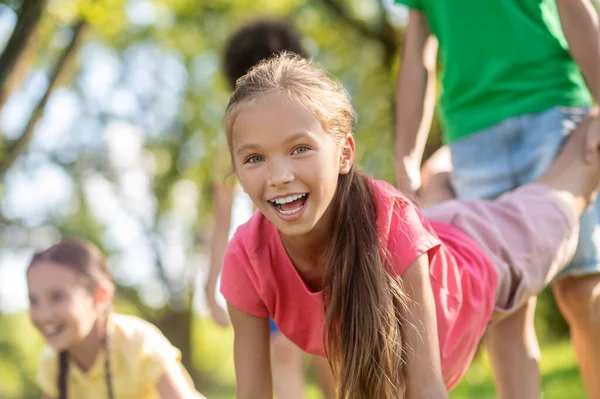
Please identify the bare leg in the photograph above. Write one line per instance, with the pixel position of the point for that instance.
(569, 174)
(511, 341)
(287, 367)
(512, 345)
(435, 178)
(578, 297)
(579, 301)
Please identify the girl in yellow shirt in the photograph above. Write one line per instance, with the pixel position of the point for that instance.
(92, 352)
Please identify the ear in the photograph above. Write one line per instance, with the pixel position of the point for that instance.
(104, 296)
(347, 155)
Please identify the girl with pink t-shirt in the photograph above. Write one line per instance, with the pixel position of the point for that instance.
(349, 268)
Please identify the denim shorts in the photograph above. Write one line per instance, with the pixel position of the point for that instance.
(516, 151)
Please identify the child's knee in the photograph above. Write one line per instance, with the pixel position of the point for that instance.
(438, 163)
(579, 298)
(435, 178)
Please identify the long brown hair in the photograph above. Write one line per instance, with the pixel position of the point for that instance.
(362, 302)
(86, 259)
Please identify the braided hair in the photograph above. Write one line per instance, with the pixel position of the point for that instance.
(63, 372)
(107, 373)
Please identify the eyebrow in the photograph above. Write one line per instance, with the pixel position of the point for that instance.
(294, 137)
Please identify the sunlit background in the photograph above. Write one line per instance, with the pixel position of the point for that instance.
(110, 127)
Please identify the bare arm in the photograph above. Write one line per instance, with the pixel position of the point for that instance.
(172, 384)
(223, 199)
(415, 99)
(423, 365)
(579, 22)
(251, 354)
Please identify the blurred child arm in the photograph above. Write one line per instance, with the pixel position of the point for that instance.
(159, 362)
(415, 99)
(579, 21)
(222, 199)
(251, 354)
(172, 384)
(423, 370)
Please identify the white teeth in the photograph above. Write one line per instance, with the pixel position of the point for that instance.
(290, 212)
(288, 199)
(51, 330)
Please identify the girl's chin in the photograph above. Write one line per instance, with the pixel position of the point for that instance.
(58, 345)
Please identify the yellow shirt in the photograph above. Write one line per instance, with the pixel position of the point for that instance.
(139, 352)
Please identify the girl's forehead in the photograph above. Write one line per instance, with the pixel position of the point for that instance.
(275, 113)
(50, 274)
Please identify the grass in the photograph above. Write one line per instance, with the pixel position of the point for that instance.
(213, 357)
(560, 375)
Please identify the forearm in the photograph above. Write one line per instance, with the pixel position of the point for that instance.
(415, 103)
(223, 199)
(252, 370)
(174, 384)
(217, 251)
(579, 22)
(423, 361)
(251, 351)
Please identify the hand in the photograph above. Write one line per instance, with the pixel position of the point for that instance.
(592, 141)
(408, 176)
(218, 314)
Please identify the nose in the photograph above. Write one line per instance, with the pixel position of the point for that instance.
(280, 173)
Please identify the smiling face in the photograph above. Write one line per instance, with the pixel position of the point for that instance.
(287, 163)
(63, 306)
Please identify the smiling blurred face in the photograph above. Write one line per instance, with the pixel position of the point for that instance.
(62, 307)
(286, 162)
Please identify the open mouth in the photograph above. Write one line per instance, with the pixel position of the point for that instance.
(289, 205)
(53, 331)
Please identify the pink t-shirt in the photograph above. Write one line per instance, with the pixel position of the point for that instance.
(259, 278)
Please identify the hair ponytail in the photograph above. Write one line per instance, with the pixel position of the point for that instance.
(63, 364)
(363, 338)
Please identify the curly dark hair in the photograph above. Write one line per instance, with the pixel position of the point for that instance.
(255, 41)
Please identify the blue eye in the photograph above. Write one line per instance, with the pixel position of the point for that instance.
(254, 159)
(300, 150)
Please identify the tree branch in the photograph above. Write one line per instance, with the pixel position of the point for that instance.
(17, 147)
(27, 20)
(383, 32)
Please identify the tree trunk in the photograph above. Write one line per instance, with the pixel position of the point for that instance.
(177, 327)
(15, 148)
(27, 20)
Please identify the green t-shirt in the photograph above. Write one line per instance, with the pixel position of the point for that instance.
(502, 58)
